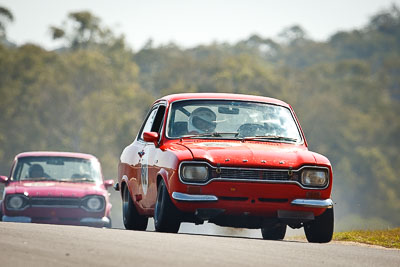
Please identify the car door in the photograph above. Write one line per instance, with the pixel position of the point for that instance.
(131, 159)
(148, 159)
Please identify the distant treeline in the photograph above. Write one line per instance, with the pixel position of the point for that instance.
(91, 95)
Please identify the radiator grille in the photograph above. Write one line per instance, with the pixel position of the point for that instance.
(55, 202)
(256, 174)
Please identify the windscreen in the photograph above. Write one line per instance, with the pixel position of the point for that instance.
(65, 169)
(235, 119)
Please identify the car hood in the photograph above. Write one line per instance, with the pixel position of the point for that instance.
(251, 153)
(53, 189)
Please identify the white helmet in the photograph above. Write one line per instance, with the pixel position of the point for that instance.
(202, 120)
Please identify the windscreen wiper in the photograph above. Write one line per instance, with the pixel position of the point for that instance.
(39, 179)
(270, 137)
(83, 179)
(213, 134)
(66, 180)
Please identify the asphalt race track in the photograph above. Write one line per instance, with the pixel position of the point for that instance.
(54, 245)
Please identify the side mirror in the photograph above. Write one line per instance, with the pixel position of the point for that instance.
(108, 183)
(3, 179)
(151, 137)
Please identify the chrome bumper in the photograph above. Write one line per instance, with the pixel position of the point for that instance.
(95, 221)
(193, 198)
(309, 203)
(313, 203)
(84, 221)
(22, 219)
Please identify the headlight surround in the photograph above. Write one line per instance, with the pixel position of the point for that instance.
(16, 202)
(314, 177)
(93, 203)
(191, 172)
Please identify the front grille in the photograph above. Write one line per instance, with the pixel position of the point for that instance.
(55, 202)
(254, 174)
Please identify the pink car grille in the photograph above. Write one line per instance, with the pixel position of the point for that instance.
(55, 202)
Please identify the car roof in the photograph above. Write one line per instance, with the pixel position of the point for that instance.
(223, 96)
(55, 154)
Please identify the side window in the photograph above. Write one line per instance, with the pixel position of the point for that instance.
(154, 121)
(15, 176)
(148, 123)
(158, 120)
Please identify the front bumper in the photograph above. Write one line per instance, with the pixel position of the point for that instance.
(309, 203)
(193, 198)
(88, 221)
(313, 203)
(95, 221)
(21, 219)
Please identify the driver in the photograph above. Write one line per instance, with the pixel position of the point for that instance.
(36, 171)
(202, 120)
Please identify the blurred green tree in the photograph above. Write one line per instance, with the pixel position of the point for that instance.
(5, 16)
(92, 95)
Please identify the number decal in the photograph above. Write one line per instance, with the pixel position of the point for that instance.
(144, 171)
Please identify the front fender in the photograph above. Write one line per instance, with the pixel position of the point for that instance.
(123, 183)
(163, 175)
(108, 209)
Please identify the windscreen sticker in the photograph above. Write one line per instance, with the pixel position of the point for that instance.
(220, 144)
(39, 184)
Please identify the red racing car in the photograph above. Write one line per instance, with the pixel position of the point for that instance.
(57, 188)
(232, 160)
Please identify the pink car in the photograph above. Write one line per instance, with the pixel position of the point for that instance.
(58, 188)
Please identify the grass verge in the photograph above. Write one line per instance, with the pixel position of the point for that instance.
(385, 238)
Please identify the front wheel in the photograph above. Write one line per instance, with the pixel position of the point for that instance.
(132, 219)
(320, 230)
(274, 233)
(166, 215)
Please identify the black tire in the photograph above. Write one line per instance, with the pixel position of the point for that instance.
(132, 219)
(320, 230)
(274, 233)
(166, 215)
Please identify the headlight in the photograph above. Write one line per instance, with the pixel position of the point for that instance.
(194, 172)
(314, 177)
(16, 202)
(94, 203)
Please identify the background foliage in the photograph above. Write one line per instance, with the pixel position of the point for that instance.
(92, 93)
